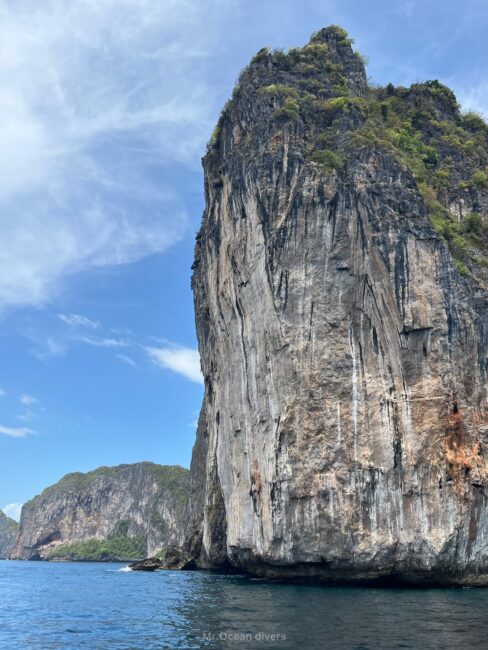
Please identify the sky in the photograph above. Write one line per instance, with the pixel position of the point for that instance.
(105, 110)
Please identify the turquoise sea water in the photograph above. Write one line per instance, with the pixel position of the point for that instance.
(99, 606)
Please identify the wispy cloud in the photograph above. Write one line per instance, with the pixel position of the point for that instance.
(47, 348)
(75, 320)
(95, 99)
(13, 510)
(2, 392)
(13, 432)
(104, 342)
(184, 361)
(121, 331)
(32, 408)
(27, 416)
(474, 97)
(125, 359)
(28, 400)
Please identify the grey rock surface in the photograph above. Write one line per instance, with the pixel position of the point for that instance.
(343, 431)
(149, 564)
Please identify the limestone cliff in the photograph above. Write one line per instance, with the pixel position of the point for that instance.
(123, 512)
(8, 535)
(340, 285)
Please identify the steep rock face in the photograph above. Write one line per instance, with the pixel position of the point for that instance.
(128, 511)
(8, 535)
(341, 310)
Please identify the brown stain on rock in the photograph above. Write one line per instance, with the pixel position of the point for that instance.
(463, 455)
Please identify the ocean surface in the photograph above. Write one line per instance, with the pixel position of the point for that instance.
(102, 606)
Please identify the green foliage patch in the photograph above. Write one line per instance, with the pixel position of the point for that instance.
(464, 238)
(290, 111)
(329, 160)
(117, 545)
(279, 89)
(479, 180)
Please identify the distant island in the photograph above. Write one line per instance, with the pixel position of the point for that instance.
(127, 512)
(9, 529)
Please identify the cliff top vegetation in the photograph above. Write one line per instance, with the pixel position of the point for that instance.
(320, 92)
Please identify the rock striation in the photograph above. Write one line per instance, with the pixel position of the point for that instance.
(124, 512)
(340, 285)
(8, 535)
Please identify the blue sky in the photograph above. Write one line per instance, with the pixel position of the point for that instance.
(105, 109)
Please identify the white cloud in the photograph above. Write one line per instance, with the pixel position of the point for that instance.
(33, 407)
(28, 400)
(47, 348)
(13, 432)
(126, 359)
(474, 98)
(75, 320)
(2, 392)
(185, 361)
(13, 510)
(121, 331)
(27, 416)
(104, 342)
(95, 99)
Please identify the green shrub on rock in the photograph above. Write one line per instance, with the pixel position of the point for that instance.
(329, 160)
(479, 180)
(289, 111)
(473, 224)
